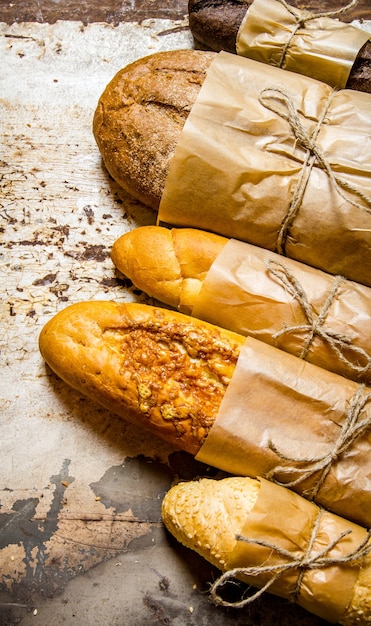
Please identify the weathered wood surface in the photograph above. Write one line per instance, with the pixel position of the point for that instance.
(109, 11)
(80, 492)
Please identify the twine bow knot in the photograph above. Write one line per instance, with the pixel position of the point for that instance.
(275, 99)
(307, 561)
(302, 18)
(339, 342)
(353, 427)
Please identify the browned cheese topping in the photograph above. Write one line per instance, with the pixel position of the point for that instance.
(180, 372)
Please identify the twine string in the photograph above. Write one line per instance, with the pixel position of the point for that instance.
(352, 428)
(301, 20)
(313, 156)
(307, 561)
(338, 342)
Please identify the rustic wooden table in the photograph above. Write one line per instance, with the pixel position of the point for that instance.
(81, 534)
(109, 11)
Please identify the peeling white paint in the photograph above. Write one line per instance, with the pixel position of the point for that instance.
(60, 214)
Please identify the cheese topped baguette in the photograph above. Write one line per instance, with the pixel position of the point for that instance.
(235, 403)
(159, 369)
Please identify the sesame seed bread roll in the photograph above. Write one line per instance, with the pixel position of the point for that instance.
(156, 368)
(210, 517)
(140, 116)
(169, 265)
(207, 515)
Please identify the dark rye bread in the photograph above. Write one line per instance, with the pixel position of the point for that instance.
(141, 114)
(215, 24)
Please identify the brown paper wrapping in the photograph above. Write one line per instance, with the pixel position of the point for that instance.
(283, 519)
(323, 319)
(245, 171)
(280, 415)
(323, 48)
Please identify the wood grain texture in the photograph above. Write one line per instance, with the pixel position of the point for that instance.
(76, 545)
(109, 11)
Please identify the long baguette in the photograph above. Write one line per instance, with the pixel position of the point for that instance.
(156, 368)
(233, 402)
(209, 516)
(215, 26)
(241, 294)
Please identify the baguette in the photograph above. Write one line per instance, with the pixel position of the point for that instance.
(140, 116)
(158, 369)
(169, 374)
(167, 264)
(215, 26)
(171, 265)
(208, 516)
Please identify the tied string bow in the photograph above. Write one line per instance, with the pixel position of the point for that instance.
(314, 327)
(279, 102)
(308, 561)
(302, 18)
(353, 427)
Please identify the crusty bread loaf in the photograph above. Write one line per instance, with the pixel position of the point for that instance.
(168, 264)
(227, 504)
(169, 374)
(241, 294)
(140, 115)
(215, 24)
(208, 515)
(156, 368)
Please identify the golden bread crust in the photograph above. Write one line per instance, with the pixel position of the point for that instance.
(207, 515)
(196, 251)
(140, 115)
(169, 265)
(159, 369)
(207, 518)
(359, 609)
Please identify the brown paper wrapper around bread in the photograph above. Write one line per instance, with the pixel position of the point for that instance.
(278, 160)
(269, 537)
(323, 319)
(297, 424)
(283, 520)
(181, 379)
(276, 33)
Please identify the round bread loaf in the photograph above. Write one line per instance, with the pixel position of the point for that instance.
(141, 114)
(215, 24)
